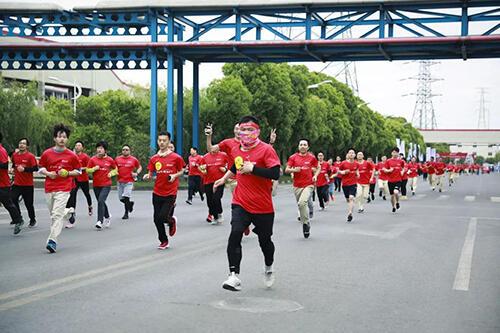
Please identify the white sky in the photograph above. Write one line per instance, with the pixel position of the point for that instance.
(380, 84)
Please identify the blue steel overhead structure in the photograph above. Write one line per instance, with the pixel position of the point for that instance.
(220, 31)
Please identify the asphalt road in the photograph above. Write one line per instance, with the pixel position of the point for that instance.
(434, 266)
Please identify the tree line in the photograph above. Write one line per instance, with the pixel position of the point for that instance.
(330, 116)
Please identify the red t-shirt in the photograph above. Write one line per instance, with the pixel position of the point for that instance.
(440, 167)
(164, 166)
(306, 163)
(194, 162)
(27, 160)
(397, 165)
(365, 172)
(227, 146)
(350, 178)
(337, 165)
(53, 160)
(252, 192)
(381, 174)
(431, 169)
(412, 169)
(4, 173)
(323, 177)
(333, 171)
(214, 161)
(84, 161)
(126, 165)
(106, 164)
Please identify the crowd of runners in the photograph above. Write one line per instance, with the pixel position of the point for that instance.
(248, 166)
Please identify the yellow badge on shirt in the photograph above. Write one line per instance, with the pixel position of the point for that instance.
(158, 166)
(238, 162)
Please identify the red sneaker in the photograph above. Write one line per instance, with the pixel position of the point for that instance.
(210, 218)
(172, 226)
(247, 231)
(163, 246)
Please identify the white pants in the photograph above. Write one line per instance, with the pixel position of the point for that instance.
(384, 186)
(362, 193)
(57, 208)
(413, 183)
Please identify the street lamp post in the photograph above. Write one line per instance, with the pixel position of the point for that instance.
(77, 90)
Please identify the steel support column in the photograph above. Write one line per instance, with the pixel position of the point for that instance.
(153, 108)
(196, 104)
(180, 109)
(170, 78)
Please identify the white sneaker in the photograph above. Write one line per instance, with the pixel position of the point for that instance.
(98, 225)
(68, 212)
(107, 222)
(232, 283)
(69, 225)
(220, 219)
(269, 276)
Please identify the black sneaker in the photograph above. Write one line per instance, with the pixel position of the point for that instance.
(125, 216)
(361, 210)
(384, 197)
(18, 227)
(368, 200)
(189, 202)
(51, 246)
(131, 207)
(380, 193)
(33, 223)
(397, 205)
(305, 229)
(311, 215)
(440, 191)
(373, 196)
(71, 218)
(12, 223)
(393, 209)
(349, 218)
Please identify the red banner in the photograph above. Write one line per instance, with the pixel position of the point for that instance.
(453, 155)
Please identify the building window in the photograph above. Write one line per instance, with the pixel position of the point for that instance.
(490, 154)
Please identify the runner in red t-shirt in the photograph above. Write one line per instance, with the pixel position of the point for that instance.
(214, 166)
(366, 172)
(80, 182)
(168, 167)
(24, 164)
(382, 179)
(404, 178)
(394, 168)
(331, 182)
(305, 169)
(412, 171)
(194, 175)
(5, 197)
(103, 168)
(349, 171)
(225, 146)
(128, 170)
(323, 181)
(59, 165)
(373, 181)
(440, 168)
(338, 177)
(431, 173)
(255, 165)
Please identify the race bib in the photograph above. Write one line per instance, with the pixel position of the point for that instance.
(158, 166)
(238, 162)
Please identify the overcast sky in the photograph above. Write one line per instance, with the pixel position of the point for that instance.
(380, 83)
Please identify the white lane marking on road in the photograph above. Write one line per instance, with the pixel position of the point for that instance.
(462, 278)
(443, 197)
(495, 199)
(470, 198)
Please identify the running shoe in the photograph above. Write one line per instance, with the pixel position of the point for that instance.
(172, 226)
(163, 246)
(72, 218)
(233, 283)
(98, 225)
(220, 219)
(210, 218)
(189, 202)
(373, 196)
(33, 223)
(361, 210)
(51, 246)
(107, 222)
(69, 225)
(91, 210)
(18, 227)
(125, 216)
(349, 218)
(384, 197)
(269, 276)
(393, 209)
(397, 205)
(131, 206)
(306, 228)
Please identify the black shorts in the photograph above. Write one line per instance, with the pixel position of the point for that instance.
(394, 186)
(241, 219)
(350, 190)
